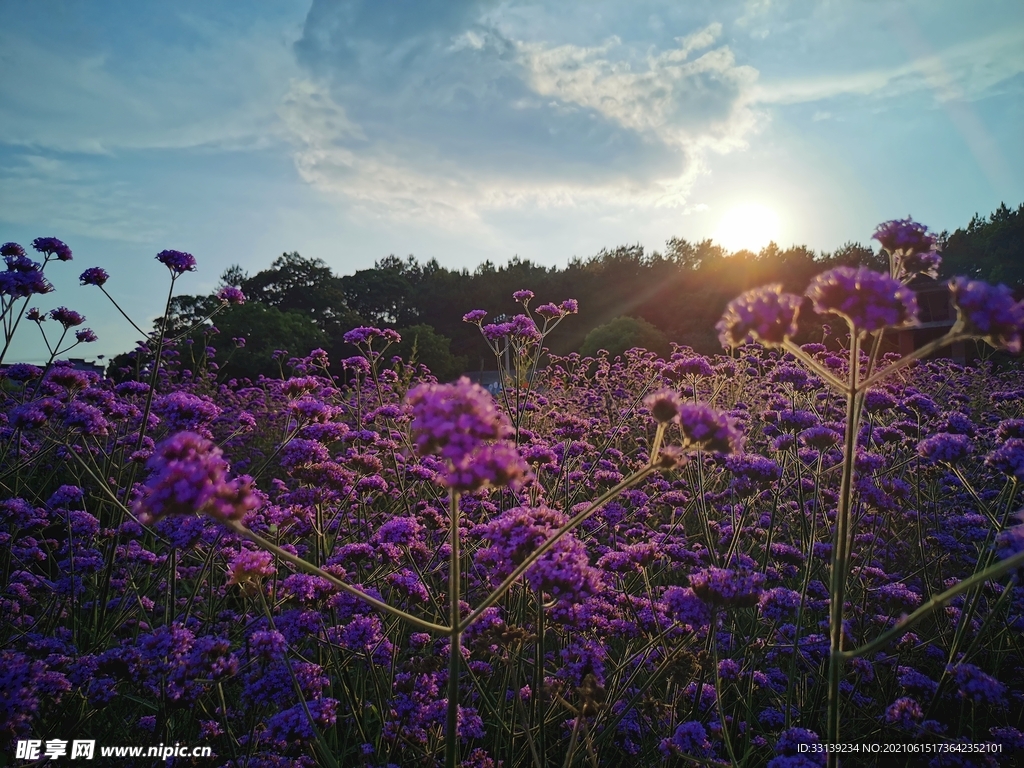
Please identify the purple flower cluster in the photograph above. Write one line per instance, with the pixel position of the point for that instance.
(67, 317)
(51, 246)
(912, 245)
(178, 262)
(564, 571)
(231, 294)
(461, 423)
(727, 587)
(94, 276)
(868, 300)
(712, 430)
(364, 335)
(990, 312)
(766, 314)
(190, 475)
(23, 277)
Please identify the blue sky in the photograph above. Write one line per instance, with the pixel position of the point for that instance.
(473, 130)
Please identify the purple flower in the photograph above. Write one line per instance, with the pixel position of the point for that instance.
(691, 366)
(365, 334)
(765, 314)
(184, 411)
(298, 452)
(564, 571)
(189, 475)
(11, 249)
(23, 372)
(231, 295)
(474, 316)
(35, 315)
(869, 300)
(977, 686)
(945, 447)
(67, 317)
(820, 437)
(496, 331)
(23, 278)
(51, 246)
(523, 296)
(1008, 458)
(178, 262)
(779, 604)
(685, 607)
(496, 465)
(85, 418)
(454, 419)
(905, 712)
(94, 276)
(912, 246)
(725, 587)
(293, 725)
(548, 311)
(689, 739)
(990, 312)
(1011, 541)
(790, 741)
(904, 235)
(713, 430)
(250, 564)
(523, 327)
(86, 336)
(267, 645)
(569, 307)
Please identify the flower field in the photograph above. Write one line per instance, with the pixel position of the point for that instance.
(728, 560)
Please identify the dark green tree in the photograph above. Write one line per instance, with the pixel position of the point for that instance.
(265, 330)
(424, 345)
(988, 249)
(624, 333)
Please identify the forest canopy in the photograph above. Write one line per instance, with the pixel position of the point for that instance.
(675, 295)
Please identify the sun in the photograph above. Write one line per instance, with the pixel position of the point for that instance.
(749, 226)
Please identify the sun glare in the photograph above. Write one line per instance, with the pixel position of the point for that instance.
(750, 226)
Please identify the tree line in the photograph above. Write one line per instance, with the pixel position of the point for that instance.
(627, 296)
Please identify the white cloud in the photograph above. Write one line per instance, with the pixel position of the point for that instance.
(691, 105)
(76, 201)
(409, 180)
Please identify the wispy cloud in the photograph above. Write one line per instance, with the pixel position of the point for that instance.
(219, 91)
(75, 200)
(968, 70)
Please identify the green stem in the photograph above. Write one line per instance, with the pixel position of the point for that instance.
(451, 729)
(348, 589)
(840, 550)
(992, 572)
(955, 334)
